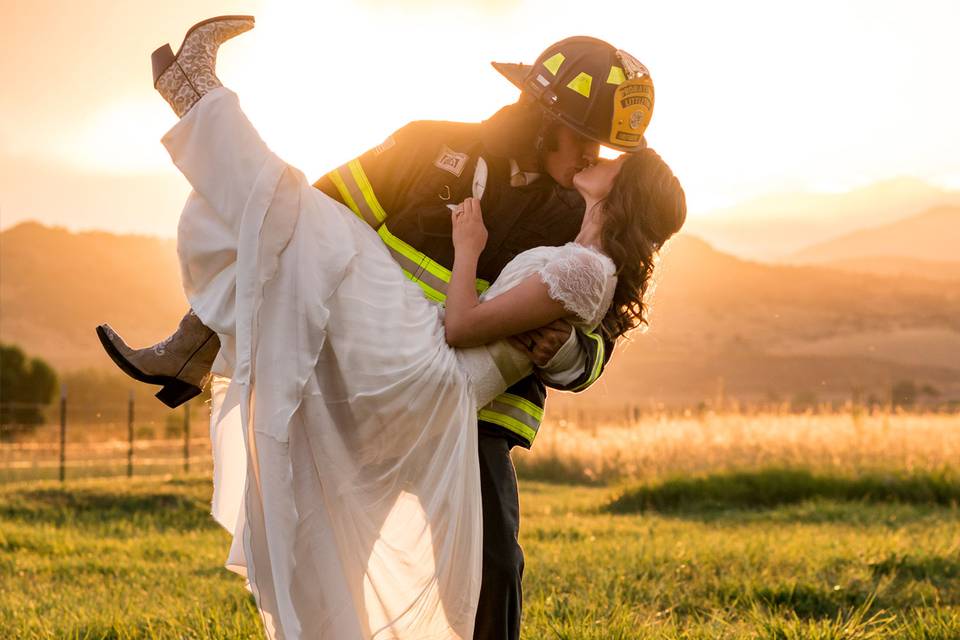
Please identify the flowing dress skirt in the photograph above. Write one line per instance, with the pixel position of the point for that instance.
(343, 428)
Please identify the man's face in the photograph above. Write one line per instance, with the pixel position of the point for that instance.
(573, 153)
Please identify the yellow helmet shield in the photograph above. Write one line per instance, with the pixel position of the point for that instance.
(632, 102)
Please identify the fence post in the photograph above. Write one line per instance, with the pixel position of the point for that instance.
(63, 432)
(130, 435)
(186, 437)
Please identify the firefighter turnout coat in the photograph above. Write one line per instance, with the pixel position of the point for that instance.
(402, 188)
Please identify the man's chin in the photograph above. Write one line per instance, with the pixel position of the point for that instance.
(567, 182)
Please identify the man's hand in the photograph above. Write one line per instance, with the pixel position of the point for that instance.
(540, 345)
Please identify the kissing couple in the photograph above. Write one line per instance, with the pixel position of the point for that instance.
(379, 340)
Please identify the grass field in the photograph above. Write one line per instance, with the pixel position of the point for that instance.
(862, 543)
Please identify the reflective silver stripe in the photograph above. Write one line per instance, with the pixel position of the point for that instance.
(508, 423)
(419, 267)
(433, 286)
(514, 413)
(509, 366)
(348, 181)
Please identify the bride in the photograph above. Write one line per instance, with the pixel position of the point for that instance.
(344, 403)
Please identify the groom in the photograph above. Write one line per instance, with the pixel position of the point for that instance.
(580, 93)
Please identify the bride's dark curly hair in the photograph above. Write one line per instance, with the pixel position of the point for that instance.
(646, 205)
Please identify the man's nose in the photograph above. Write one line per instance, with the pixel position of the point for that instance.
(590, 150)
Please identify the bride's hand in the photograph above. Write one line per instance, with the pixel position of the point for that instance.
(469, 233)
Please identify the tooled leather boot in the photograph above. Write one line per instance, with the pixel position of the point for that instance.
(184, 78)
(181, 363)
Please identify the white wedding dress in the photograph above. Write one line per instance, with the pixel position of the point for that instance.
(343, 425)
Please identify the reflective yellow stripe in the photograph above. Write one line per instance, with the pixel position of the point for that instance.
(523, 404)
(514, 413)
(428, 291)
(346, 181)
(597, 363)
(553, 63)
(432, 276)
(414, 263)
(616, 76)
(581, 84)
(357, 171)
(508, 422)
(344, 192)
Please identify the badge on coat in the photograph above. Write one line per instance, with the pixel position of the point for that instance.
(451, 161)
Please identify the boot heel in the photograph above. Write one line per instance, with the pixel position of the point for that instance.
(176, 392)
(162, 58)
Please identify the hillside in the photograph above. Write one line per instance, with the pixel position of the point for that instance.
(898, 266)
(758, 330)
(932, 235)
(781, 224)
(769, 332)
(56, 286)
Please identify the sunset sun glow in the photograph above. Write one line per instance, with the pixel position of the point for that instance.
(752, 97)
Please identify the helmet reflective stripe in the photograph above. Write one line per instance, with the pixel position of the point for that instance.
(616, 76)
(553, 64)
(581, 84)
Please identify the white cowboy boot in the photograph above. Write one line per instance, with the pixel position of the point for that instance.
(184, 78)
(181, 363)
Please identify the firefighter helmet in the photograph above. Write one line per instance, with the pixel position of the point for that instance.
(599, 91)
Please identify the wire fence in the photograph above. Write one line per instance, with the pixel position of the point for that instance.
(70, 441)
(89, 436)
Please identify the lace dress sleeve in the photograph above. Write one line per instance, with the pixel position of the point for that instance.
(582, 280)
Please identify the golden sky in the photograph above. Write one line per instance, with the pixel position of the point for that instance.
(752, 96)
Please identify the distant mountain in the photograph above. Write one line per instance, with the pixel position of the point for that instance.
(782, 224)
(895, 266)
(932, 235)
(756, 330)
(761, 331)
(56, 286)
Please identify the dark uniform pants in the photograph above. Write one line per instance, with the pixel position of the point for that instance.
(498, 614)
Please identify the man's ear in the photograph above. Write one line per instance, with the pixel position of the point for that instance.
(511, 131)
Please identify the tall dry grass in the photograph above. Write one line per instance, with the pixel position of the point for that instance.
(658, 447)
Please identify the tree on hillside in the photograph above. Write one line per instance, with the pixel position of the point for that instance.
(26, 387)
(903, 394)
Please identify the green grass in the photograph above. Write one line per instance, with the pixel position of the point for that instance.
(771, 554)
(768, 488)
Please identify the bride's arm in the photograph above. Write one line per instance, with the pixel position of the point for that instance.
(467, 322)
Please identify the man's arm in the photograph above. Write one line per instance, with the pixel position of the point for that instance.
(596, 351)
(566, 359)
(374, 183)
(565, 363)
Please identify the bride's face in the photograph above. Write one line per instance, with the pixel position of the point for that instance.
(595, 182)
